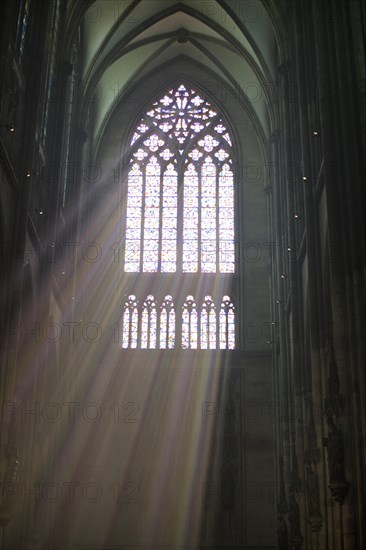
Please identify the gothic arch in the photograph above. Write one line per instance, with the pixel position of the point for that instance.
(251, 177)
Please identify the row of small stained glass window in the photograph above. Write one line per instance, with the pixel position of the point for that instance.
(153, 327)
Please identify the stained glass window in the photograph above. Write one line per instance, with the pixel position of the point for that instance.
(167, 324)
(227, 324)
(181, 134)
(130, 323)
(180, 223)
(154, 325)
(208, 324)
(189, 324)
(149, 322)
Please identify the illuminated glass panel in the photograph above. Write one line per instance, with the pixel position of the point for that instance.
(153, 143)
(126, 329)
(189, 324)
(208, 217)
(208, 324)
(227, 324)
(130, 323)
(167, 324)
(208, 143)
(148, 324)
(133, 230)
(190, 223)
(169, 220)
(231, 329)
(226, 220)
(152, 216)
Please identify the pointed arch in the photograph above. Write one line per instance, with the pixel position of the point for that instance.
(227, 324)
(167, 324)
(208, 324)
(149, 324)
(180, 222)
(181, 129)
(130, 323)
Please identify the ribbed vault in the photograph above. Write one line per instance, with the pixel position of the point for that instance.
(125, 41)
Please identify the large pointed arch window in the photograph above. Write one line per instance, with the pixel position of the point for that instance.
(180, 221)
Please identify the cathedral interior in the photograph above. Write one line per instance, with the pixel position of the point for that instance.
(182, 274)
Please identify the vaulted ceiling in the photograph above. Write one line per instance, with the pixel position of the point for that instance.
(236, 41)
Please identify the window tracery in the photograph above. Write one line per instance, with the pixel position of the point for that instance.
(151, 325)
(180, 221)
(168, 141)
(149, 321)
(167, 324)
